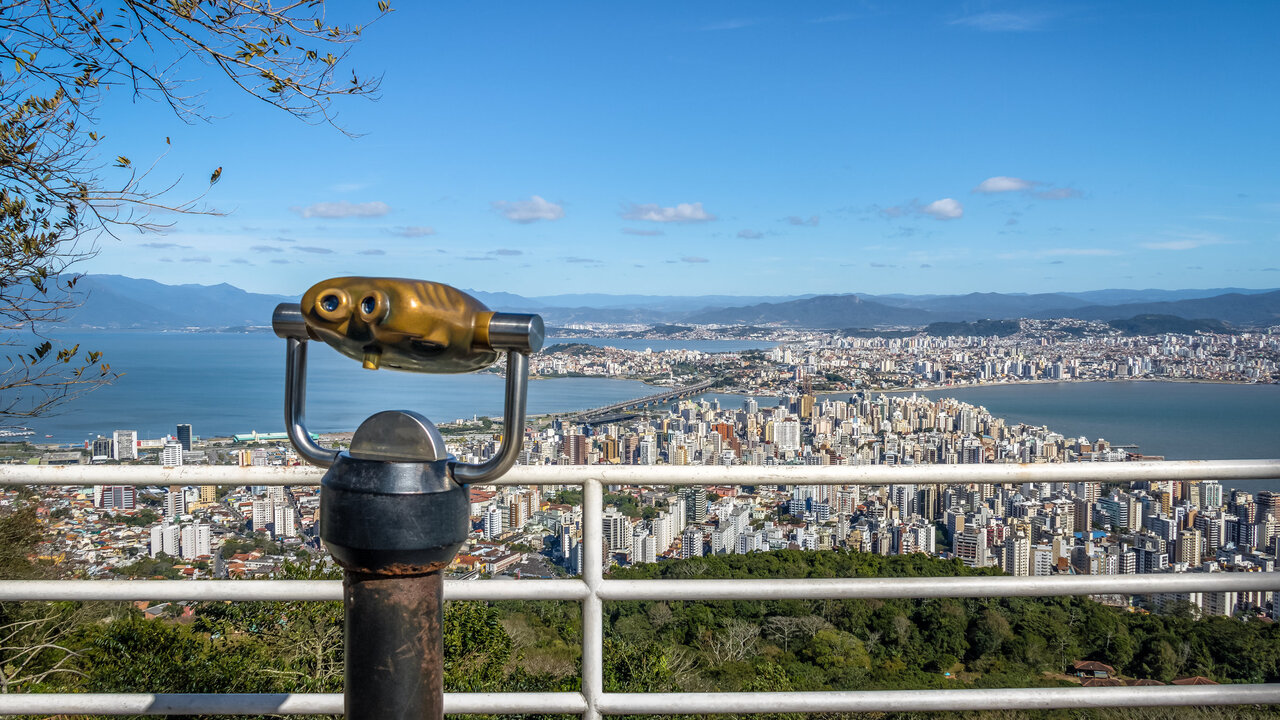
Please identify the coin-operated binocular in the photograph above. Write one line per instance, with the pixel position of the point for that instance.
(394, 508)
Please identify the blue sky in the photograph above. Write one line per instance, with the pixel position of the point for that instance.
(748, 148)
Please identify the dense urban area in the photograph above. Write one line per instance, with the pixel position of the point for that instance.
(1031, 529)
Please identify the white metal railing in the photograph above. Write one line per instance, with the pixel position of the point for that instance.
(592, 589)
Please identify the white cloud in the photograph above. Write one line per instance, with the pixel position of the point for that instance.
(343, 209)
(1087, 252)
(1002, 183)
(1185, 241)
(682, 213)
(1004, 21)
(413, 231)
(531, 210)
(1175, 245)
(944, 209)
(750, 234)
(811, 221)
(1059, 252)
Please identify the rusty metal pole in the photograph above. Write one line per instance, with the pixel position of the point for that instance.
(394, 645)
(393, 518)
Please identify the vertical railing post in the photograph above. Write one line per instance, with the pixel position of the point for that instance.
(592, 611)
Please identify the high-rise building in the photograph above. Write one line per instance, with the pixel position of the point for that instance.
(1017, 555)
(691, 543)
(208, 493)
(120, 497)
(184, 436)
(971, 546)
(171, 454)
(284, 521)
(262, 513)
(1190, 547)
(491, 526)
(695, 503)
(617, 532)
(103, 449)
(196, 539)
(786, 435)
(126, 444)
(175, 503)
(164, 539)
(575, 447)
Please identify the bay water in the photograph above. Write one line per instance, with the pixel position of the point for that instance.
(224, 383)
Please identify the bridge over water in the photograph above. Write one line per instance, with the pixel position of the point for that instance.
(619, 409)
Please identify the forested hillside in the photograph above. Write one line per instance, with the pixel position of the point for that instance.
(649, 646)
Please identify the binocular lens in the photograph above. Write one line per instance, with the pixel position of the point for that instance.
(368, 305)
(331, 302)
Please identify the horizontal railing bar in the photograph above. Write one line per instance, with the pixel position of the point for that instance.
(994, 473)
(934, 587)
(158, 475)
(659, 703)
(936, 700)
(512, 589)
(268, 703)
(692, 590)
(268, 590)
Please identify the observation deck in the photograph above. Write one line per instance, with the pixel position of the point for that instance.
(592, 589)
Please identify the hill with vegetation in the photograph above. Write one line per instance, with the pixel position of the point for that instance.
(758, 645)
(1159, 324)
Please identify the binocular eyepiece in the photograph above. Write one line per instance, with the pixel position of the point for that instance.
(410, 325)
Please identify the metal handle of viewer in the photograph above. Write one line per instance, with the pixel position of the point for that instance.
(517, 334)
(288, 323)
(513, 411)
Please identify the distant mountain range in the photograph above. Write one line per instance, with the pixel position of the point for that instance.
(119, 302)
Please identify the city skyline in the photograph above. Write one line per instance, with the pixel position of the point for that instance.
(835, 148)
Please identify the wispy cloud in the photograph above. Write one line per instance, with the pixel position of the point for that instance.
(1185, 241)
(733, 24)
(1002, 183)
(200, 259)
(682, 213)
(944, 209)
(642, 233)
(811, 221)
(413, 231)
(838, 17)
(693, 259)
(240, 261)
(1035, 188)
(265, 248)
(343, 209)
(580, 260)
(313, 250)
(372, 251)
(1005, 21)
(750, 234)
(165, 246)
(280, 261)
(528, 211)
(1059, 252)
